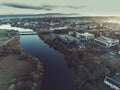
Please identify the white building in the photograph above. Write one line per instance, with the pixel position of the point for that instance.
(84, 36)
(106, 42)
(112, 83)
(58, 28)
(71, 33)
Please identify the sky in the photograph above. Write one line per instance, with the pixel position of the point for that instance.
(83, 7)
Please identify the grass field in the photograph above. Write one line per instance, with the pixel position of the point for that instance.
(2, 33)
(3, 30)
(11, 67)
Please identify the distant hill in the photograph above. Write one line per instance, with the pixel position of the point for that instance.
(38, 15)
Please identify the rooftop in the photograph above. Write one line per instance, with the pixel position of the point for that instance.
(107, 40)
(85, 34)
(114, 82)
(67, 37)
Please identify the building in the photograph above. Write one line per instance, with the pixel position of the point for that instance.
(84, 36)
(68, 40)
(71, 33)
(58, 28)
(106, 42)
(112, 83)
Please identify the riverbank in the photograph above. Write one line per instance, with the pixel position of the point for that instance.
(18, 69)
(84, 65)
(57, 76)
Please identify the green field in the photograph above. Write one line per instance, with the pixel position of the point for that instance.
(3, 30)
(3, 33)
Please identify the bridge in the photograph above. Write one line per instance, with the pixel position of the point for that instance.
(27, 33)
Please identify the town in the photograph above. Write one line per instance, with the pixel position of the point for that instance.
(91, 46)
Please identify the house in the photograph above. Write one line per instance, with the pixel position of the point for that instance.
(71, 33)
(68, 40)
(84, 36)
(114, 84)
(106, 42)
(58, 28)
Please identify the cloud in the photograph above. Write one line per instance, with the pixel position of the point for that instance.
(22, 6)
(76, 7)
(42, 7)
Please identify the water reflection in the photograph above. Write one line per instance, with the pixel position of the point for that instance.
(57, 75)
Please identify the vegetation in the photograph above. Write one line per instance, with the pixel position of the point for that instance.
(88, 69)
(13, 71)
(62, 31)
(3, 35)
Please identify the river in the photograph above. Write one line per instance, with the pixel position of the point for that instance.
(57, 75)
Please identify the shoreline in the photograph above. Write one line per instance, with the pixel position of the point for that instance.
(73, 60)
(77, 61)
(21, 58)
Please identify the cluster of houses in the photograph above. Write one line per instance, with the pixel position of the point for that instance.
(78, 37)
(68, 40)
(106, 42)
(55, 23)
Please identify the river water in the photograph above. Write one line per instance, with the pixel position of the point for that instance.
(57, 75)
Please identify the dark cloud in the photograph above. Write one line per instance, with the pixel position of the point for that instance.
(43, 7)
(22, 6)
(76, 7)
